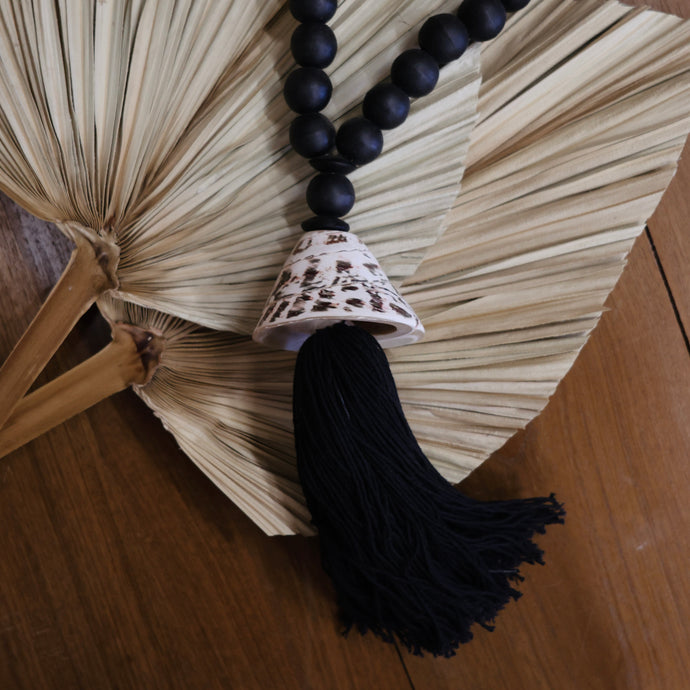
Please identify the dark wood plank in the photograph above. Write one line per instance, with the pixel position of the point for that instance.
(610, 608)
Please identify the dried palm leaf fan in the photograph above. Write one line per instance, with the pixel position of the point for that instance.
(566, 165)
(136, 143)
(449, 382)
(406, 195)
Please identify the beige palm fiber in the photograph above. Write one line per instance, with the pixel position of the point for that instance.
(536, 241)
(154, 134)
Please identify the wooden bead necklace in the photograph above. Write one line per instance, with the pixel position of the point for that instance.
(411, 558)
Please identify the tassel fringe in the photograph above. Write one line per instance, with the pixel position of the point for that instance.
(409, 555)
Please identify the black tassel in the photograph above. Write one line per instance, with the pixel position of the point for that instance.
(410, 556)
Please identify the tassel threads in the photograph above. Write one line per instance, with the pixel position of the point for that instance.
(409, 555)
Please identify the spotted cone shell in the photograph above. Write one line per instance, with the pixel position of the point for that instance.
(331, 277)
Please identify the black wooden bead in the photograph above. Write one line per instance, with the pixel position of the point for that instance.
(332, 164)
(359, 140)
(313, 45)
(313, 10)
(415, 72)
(312, 135)
(330, 194)
(386, 105)
(514, 5)
(484, 19)
(307, 90)
(444, 37)
(325, 223)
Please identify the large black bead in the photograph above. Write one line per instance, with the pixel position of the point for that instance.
(514, 5)
(415, 72)
(313, 45)
(484, 19)
(359, 140)
(444, 37)
(307, 90)
(330, 194)
(386, 105)
(313, 10)
(312, 135)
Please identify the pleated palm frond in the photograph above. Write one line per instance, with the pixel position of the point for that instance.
(228, 402)
(585, 108)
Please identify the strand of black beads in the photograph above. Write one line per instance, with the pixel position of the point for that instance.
(307, 90)
(442, 39)
(314, 46)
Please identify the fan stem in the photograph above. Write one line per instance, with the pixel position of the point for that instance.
(89, 273)
(130, 359)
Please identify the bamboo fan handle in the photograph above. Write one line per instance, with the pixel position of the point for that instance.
(131, 358)
(90, 272)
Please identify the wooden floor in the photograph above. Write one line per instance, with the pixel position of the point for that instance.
(121, 566)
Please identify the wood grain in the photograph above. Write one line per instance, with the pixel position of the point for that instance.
(121, 566)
